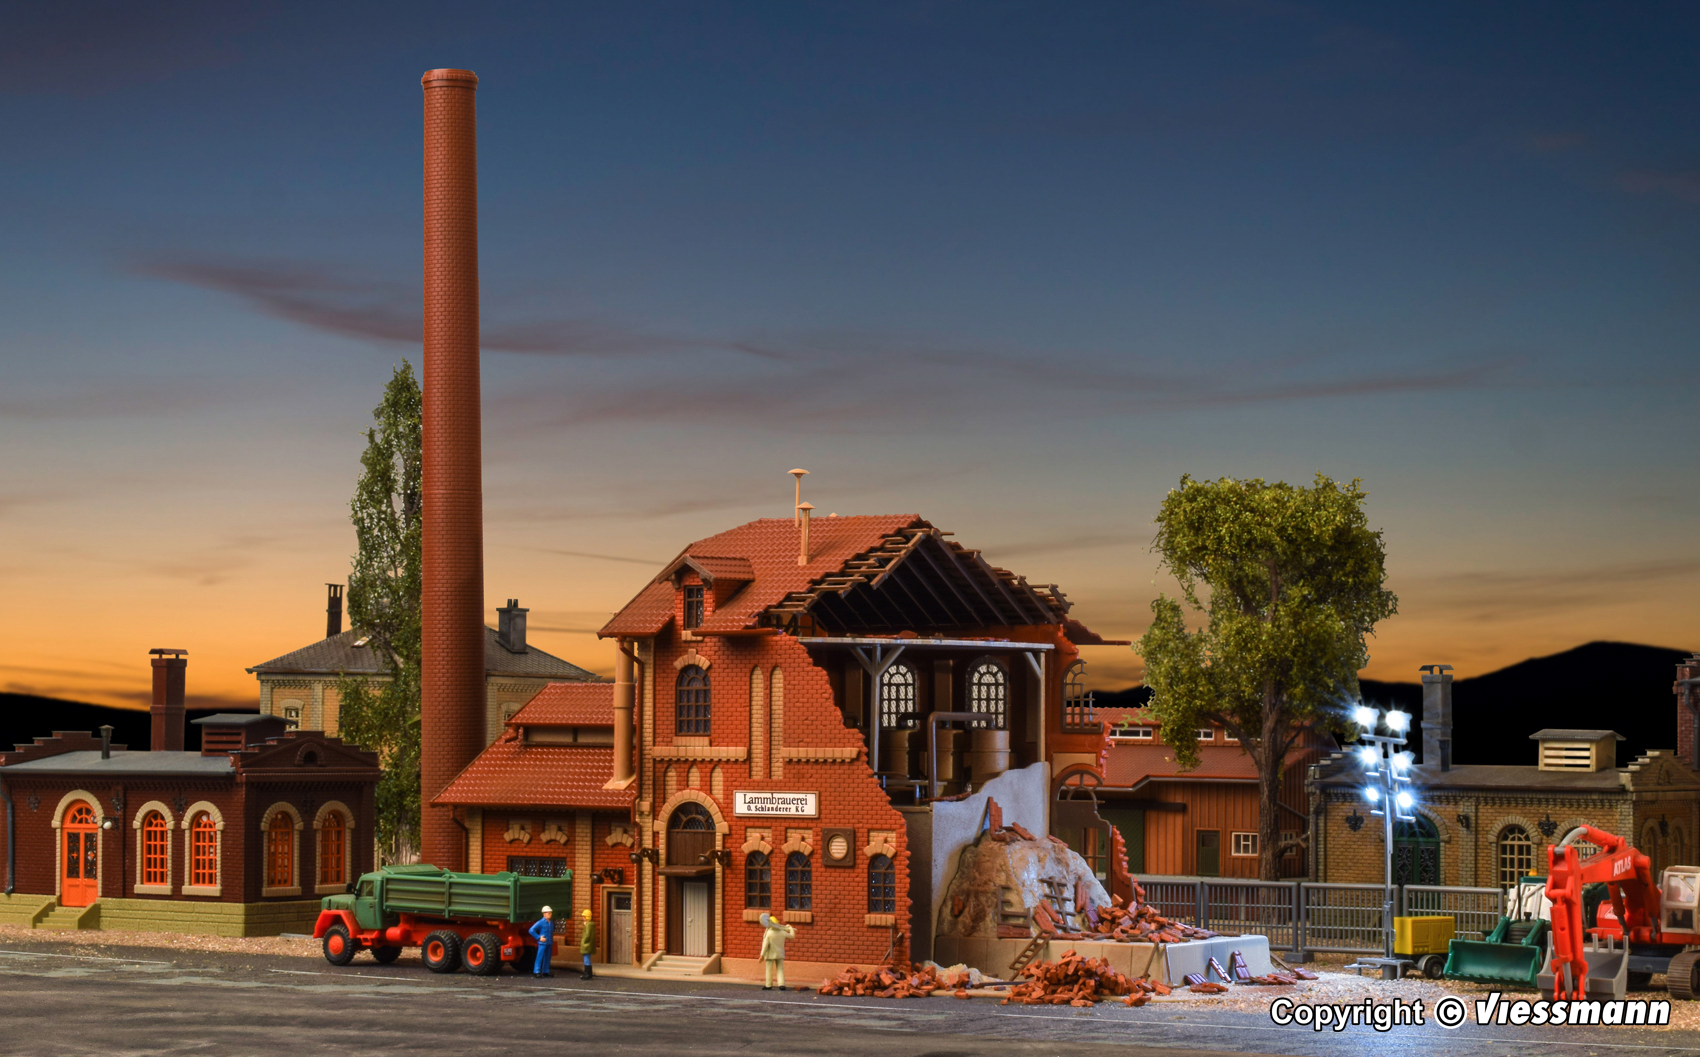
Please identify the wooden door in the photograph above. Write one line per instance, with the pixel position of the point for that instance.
(618, 915)
(80, 880)
(1209, 858)
(696, 922)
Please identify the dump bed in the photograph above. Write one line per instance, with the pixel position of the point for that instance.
(495, 896)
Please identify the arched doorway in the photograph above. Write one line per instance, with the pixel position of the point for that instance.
(79, 882)
(690, 880)
(1416, 853)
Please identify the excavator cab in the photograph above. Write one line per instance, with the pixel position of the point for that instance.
(1679, 898)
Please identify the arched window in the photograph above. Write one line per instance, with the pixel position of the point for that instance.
(690, 835)
(691, 708)
(155, 856)
(203, 851)
(897, 697)
(280, 851)
(692, 817)
(333, 850)
(1516, 855)
(882, 885)
(799, 882)
(758, 881)
(988, 693)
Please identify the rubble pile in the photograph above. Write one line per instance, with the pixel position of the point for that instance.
(900, 982)
(1071, 981)
(1120, 921)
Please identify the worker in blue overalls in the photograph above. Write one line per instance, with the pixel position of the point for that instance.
(544, 933)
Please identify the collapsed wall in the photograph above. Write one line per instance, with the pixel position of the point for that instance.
(1009, 878)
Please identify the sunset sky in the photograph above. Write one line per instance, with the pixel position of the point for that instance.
(1013, 267)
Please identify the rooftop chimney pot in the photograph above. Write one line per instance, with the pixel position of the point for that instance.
(333, 610)
(510, 626)
(803, 535)
(797, 507)
(106, 742)
(1437, 716)
(167, 712)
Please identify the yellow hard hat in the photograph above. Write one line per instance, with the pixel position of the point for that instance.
(586, 911)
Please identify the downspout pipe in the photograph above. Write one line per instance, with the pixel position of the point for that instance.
(11, 839)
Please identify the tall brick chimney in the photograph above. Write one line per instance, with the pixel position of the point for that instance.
(1688, 711)
(1437, 716)
(333, 610)
(452, 606)
(169, 669)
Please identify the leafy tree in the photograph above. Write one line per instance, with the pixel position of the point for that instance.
(383, 603)
(1294, 584)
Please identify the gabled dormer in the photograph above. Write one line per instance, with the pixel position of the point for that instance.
(703, 583)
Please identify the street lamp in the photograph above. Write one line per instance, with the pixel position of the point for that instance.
(1387, 779)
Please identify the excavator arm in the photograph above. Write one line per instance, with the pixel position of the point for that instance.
(1634, 899)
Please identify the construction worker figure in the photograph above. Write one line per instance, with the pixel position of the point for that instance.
(544, 933)
(773, 938)
(587, 945)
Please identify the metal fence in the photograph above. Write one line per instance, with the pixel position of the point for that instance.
(1300, 916)
(1475, 911)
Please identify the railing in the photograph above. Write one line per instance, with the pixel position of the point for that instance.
(1301, 917)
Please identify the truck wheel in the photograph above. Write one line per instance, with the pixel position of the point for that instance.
(482, 954)
(386, 955)
(442, 952)
(1683, 976)
(339, 948)
(1433, 966)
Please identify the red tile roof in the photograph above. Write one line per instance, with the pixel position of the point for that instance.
(569, 705)
(1129, 766)
(770, 546)
(511, 773)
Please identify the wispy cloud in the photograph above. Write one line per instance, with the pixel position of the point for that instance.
(597, 557)
(139, 399)
(1683, 185)
(1064, 544)
(329, 298)
(1495, 597)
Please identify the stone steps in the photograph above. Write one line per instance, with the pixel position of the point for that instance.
(70, 918)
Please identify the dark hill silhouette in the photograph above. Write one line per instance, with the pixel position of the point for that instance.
(25, 717)
(1617, 686)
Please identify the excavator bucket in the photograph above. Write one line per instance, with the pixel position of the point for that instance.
(1608, 970)
(1513, 954)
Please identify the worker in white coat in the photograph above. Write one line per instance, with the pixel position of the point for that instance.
(775, 933)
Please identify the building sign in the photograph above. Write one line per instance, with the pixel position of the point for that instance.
(768, 805)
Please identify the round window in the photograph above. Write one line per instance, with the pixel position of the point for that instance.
(838, 847)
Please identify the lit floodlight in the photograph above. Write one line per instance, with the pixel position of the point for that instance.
(1369, 756)
(1403, 800)
(1402, 761)
(1372, 794)
(1398, 722)
(1364, 716)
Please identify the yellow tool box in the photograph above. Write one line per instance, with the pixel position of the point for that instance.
(1424, 935)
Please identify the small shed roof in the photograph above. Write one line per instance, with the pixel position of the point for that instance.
(1558, 734)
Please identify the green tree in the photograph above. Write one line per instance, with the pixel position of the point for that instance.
(1293, 584)
(383, 603)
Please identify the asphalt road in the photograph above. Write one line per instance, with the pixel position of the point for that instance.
(61, 1000)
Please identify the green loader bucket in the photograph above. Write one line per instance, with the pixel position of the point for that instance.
(1511, 954)
(1493, 963)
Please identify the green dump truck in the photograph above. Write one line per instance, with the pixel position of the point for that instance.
(473, 920)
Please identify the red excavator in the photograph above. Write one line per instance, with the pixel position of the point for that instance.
(1648, 926)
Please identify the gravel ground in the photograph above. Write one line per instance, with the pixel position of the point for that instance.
(1335, 986)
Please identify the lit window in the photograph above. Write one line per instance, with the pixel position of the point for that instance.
(799, 882)
(693, 606)
(1242, 844)
(155, 854)
(897, 697)
(758, 881)
(882, 885)
(203, 851)
(691, 702)
(988, 693)
(333, 844)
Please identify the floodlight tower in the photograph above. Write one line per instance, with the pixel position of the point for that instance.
(1387, 780)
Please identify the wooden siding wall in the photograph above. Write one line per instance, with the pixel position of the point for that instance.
(1171, 836)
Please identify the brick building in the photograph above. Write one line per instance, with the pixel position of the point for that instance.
(241, 838)
(300, 686)
(540, 801)
(780, 691)
(1486, 825)
(1201, 822)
